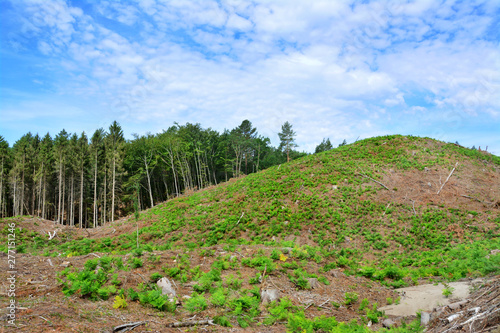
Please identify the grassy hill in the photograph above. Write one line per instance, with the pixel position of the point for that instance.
(333, 232)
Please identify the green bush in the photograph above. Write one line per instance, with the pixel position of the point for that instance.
(206, 280)
(219, 297)
(196, 303)
(155, 277)
(136, 262)
(350, 298)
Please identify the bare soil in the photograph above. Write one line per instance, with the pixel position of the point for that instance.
(42, 307)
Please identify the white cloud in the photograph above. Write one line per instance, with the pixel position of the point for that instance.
(334, 68)
(239, 23)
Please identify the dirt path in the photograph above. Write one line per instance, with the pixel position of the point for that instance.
(427, 297)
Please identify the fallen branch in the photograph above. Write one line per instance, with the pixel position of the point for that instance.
(472, 198)
(52, 235)
(274, 284)
(484, 202)
(240, 254)
(243, 213)
(359, 173)
(36, 282)
(128, 327)
(413, 203)
(478, 316)
(263, 277)
(192, 323)
(448, 178)
(386, 208)
(328, 300)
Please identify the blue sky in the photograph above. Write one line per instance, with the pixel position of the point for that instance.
(337, 69)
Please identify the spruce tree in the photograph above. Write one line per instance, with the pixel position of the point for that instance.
(115, 142)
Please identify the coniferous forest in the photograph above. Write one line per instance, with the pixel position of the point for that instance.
(87, 181)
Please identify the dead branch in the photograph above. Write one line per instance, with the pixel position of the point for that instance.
(240, 254)
(413, 205)
(263, 277)
(240, 218)
(36, 282)
(483, 315)
(359, 173)
(52, 235)
(472, 198)
(273, 283)
(128, 327)
(484, 202)
(192, 323)
(321, 305)
(448, 178)
(386, 208)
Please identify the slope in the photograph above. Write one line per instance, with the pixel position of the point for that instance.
(328, 231)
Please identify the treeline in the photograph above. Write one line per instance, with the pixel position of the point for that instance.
(86, 181)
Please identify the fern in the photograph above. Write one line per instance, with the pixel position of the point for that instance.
(120, 303)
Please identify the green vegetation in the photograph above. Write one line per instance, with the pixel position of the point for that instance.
(263, 222)
(91, 281)
(448, 291)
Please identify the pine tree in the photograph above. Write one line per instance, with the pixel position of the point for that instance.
(248, 133)
(323, 146)
(287, 137)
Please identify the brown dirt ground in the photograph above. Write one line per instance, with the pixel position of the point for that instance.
(44, 308)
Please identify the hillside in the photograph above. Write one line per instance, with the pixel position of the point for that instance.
(334, 232)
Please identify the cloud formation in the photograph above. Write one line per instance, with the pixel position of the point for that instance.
(338, 69)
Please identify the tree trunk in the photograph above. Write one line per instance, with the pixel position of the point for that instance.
(166, 185)
(258, 158)
(81, 199)
(1, 191)
(44, 195)
(33, 193)
(105, 196)
(38, 210)
(14, 208)
(63, 196)
(95, 192)
(113, 190)
(173, 171)
(149, 182)
(22, 189)
(71, 202)
(59, 220)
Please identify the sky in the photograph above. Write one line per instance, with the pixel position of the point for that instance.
(333, 69)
